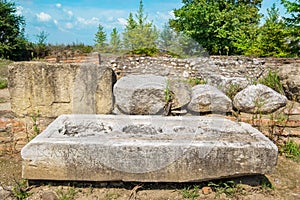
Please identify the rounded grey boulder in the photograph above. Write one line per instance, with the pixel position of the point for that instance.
(258, 99)
(140, 94)
(207, 98)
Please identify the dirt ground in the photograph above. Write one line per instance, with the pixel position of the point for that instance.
(285, 182)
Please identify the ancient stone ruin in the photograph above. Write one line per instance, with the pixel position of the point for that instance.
(146, 149)
(115, 130)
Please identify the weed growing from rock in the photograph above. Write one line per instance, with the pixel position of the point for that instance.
(291, 150)
(190, 193)
(272, 80)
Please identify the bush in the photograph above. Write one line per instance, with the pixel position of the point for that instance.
(3, 83)
(272, 80)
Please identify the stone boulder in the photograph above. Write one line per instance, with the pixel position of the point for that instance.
(181, 93)
(52, 89)
(258, 99)
(207, 98)
(140, 94)
(289, 76)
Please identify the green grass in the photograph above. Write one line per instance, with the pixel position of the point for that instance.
(230, 188)
(291, 150)
(66, 195)
(232, 90)
(20, 190)
(272, 80)
(190, 193)
(196, 81)
(3, 83)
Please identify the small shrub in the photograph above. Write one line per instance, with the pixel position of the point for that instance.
(145, 51)
(291, 150)
(20, 190)
(230, 188)
(3, 83)
(190, 193)
(196, 81)
(265, 184)
(232, 90)
(66, 195)
(272, 80)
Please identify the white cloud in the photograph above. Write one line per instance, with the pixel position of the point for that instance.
(122, 21)
(87, 22)
(19, 10)
(55, 22)
(70, 13)
(43, 17)
(58, 5)
(69, 25)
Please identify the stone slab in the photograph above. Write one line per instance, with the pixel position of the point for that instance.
(146, 149)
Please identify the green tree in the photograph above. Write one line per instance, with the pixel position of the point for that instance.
(272, 39)
(100, 37)
(140, 34)
(115, 41)
(293, 8)
(40, 47)
(179, 44)
(12, 41)
(217, 24)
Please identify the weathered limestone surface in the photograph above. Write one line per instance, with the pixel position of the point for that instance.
(207, 98)
(258, 99)
(140, 94)
(55, 89)
(146, 149)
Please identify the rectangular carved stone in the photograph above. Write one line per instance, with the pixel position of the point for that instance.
(146, 149)
(53, 89)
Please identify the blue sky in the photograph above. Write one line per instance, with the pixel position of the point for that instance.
(68, 21)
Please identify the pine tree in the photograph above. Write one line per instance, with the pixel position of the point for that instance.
(115, 41)
(100, 37)
(140, 35)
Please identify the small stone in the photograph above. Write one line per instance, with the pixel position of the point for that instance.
(49, 195)
(206, 190)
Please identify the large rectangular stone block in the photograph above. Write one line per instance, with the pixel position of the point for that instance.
(146, 149)
(52, 89)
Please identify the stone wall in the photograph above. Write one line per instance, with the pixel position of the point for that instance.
(220, 71)
(15, 132)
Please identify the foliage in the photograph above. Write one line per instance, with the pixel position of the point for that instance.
(293, 8)
(191, 193)
(3, 83)
(12, 41)
(265, 184)
(145, 51)
(100, 36)
(66, 195)
(196, 81)
(232, 90)
(40, 48)
(20, 190)
(139, 34)
(272, 80)
(179, 44)
(168, 93)
(216, 25)
(115, 40)
(230, 188)
(272, 36)
(291, 150)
